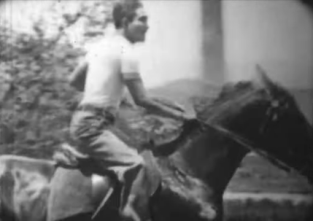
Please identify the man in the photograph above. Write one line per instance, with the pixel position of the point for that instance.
(108, 68)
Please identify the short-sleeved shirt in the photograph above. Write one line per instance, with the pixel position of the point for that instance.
(110, 62)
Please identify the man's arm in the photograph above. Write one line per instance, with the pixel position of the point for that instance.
(169, 103)
(133, 81)
(78, 76)
(138, 92)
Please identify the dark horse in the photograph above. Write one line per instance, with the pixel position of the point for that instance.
(195, 169)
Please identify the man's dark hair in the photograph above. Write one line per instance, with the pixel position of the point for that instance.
(125, 9)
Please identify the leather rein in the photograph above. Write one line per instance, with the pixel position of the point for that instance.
(271, 113)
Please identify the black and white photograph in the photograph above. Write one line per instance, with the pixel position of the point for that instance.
(156, 110)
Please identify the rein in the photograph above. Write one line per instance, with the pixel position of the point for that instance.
(247, 144)
(272, 114)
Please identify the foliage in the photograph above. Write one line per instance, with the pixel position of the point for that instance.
(36, 101)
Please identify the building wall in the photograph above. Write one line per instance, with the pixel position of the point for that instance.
(173, 49)
(212, 41)
(275, 34)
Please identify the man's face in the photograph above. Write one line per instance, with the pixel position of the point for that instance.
(136, 29)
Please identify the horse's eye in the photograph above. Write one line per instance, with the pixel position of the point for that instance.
(275, 103)
(286, 105)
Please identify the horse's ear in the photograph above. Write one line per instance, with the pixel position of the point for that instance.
(264, 80)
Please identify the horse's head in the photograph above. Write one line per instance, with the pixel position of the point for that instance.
(285, 133)
(268, 116)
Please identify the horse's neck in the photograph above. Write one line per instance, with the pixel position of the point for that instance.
(216, 156)
(212, 158)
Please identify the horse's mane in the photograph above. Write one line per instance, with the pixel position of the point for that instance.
(206, 105)
(209, 110)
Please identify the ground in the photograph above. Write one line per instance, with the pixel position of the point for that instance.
(260, 191)
(258, 175)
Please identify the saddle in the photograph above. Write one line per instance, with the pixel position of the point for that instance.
(103, 186)
(68, 157)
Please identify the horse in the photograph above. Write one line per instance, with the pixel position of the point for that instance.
(195, 168)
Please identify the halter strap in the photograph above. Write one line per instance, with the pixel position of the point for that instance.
(247, 144)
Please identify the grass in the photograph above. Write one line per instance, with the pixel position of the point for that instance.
(258, 175)
(236, 210)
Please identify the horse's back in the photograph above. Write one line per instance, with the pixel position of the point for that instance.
(71, 194)
(75, 192)
(24, 184)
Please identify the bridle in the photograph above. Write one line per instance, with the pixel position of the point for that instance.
(272, 113)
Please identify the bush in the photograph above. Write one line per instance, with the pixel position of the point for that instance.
(36, 101)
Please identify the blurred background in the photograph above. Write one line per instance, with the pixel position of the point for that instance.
(191, 46)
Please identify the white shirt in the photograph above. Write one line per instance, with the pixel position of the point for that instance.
(109, 62)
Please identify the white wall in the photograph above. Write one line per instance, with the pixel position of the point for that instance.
(212, 42)
(278, 34)
(173, 48)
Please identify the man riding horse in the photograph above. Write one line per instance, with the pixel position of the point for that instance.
(107, 69)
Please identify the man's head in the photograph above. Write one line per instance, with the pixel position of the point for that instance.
(130, 16)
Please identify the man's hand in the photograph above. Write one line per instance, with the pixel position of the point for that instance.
(191, 122)
(189, 117)
(174, 105)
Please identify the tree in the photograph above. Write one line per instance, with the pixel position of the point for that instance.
(36, 101)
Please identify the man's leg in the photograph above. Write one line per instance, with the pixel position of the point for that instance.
(137, 199)
(114, 155)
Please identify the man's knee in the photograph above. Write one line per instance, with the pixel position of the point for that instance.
(138, 161)
(134, 157)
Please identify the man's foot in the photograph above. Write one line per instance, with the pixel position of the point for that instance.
(129, 212)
